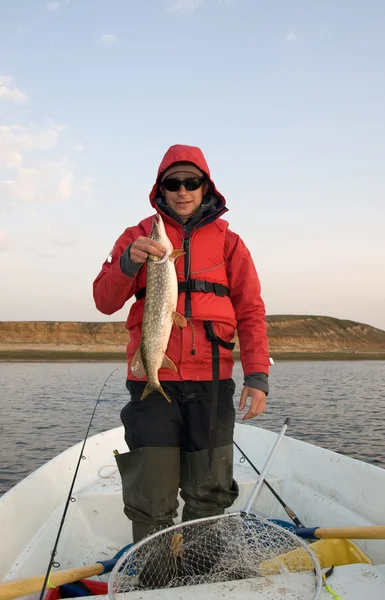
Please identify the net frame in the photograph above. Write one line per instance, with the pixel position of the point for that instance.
(276, 555)
(271, 563)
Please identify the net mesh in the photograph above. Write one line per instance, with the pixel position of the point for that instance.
(230, 548)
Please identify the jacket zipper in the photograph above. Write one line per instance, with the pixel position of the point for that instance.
(186, 248)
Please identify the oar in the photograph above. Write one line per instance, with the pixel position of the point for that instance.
(368, 532)
(286, 508)
(31, 585)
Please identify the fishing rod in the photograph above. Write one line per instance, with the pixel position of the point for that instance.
(69, 497)
(287, 509)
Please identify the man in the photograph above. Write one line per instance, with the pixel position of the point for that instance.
(188, 443)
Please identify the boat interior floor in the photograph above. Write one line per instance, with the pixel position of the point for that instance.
(351, 582)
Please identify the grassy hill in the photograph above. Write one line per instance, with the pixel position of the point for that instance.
(318, 334)
(290, 337)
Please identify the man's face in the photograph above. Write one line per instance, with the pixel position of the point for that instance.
(184, 202)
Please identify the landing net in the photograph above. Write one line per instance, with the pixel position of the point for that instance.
(231, 547)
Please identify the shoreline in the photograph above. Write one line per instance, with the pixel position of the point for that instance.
(79, 356)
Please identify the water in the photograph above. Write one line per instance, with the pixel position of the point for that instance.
(46, 407)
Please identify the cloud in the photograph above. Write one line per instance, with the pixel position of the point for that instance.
(78, 147)
(29, 171)
(49, 182)
(108, 38)
(33, 176)
(188, 6)
(182, 6)
(16, 140)
(291, 37)
(9, 92)
(86, 185)
(52, 6)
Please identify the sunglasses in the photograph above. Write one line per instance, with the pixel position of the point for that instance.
(191, 184)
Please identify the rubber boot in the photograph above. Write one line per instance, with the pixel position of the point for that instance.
(207, 491)
(150, 481)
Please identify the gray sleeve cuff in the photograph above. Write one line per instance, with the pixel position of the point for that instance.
(128, 266)
(258, 381)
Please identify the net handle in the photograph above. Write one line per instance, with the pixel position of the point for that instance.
(255, 491)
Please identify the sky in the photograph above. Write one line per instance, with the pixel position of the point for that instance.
(286, 99)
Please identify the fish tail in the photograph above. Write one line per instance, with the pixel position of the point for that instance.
(147, 390)
(161, 390)
(151, 387)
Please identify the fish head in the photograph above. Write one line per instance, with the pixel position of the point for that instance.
(158, 233)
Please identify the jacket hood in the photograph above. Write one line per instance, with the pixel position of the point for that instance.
(180, 153)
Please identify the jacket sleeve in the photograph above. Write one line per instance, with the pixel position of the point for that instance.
(245, 295)
(112, 288)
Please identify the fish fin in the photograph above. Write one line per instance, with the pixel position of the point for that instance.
(179, 319)
(151, 388)
(176, 254)
(147, 390)
(168, 364)
(161, 390)
(136, 364)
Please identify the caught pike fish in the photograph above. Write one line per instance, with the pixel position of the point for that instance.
(159, 313)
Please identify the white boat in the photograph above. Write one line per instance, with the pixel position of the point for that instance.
(325, 489)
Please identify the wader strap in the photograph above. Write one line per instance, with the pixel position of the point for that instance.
(215, 343)
(194, 285)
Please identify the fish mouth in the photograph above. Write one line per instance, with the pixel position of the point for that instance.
(158, 233)
(156, 227)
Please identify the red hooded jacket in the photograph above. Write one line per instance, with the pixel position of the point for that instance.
(217, 255)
